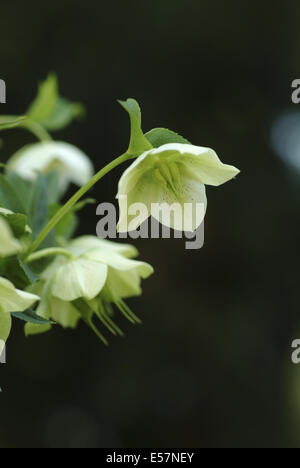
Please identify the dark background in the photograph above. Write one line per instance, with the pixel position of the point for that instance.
(210, 366)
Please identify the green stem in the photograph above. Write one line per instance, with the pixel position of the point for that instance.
(36, 129)
(73, 200)
(48, 252)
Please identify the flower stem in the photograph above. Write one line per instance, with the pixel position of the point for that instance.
(73, 200)
(36, 129)
(48, 252)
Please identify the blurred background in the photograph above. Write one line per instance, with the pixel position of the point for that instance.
(211, 364)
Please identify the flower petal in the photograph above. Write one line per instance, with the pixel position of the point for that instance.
(79, 278)
(83, 244)
(146, 191)
(118, 262)
(5, 327)
(14, 300)
(64, 313)
(121, 286)
(203, 164)
(133, 173)
(183, 211)
(9, 245)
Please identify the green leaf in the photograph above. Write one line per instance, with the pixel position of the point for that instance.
(10, 121)
(31, 317)
(9, 197)
(38, 213)
(50, 110)
(17, 222)
(162, 136)
(52, 180)
(19, 273)
(24, 187)
(45, 100)
(62, 115)
(138, 142)
(28, 273)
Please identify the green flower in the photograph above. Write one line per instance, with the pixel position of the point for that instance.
(173, 173)
(71, 164)
(91, 272)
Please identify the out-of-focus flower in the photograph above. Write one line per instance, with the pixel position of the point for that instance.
(173, 173)
(71, 164)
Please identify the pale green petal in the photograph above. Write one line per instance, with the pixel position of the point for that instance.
(64, 313)
(149, 191)
(9, 245)
(14, 300)
(5, 327)
(34, 329)
(5, 212)
(79, 278)
(190, 201)
(50, 307)
(134, 172)
(83, 244)
(203, 164)
(121, 285)
(145, 192)
(42, 289)
(118, 262)
(70, 162)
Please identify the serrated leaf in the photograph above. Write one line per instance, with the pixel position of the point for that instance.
(162, 136)
(30, 316)
(138, 142)
(10, 121)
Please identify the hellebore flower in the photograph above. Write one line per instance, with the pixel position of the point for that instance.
(91, 271)
(84, 272)
(71, 164)
(174, 173)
